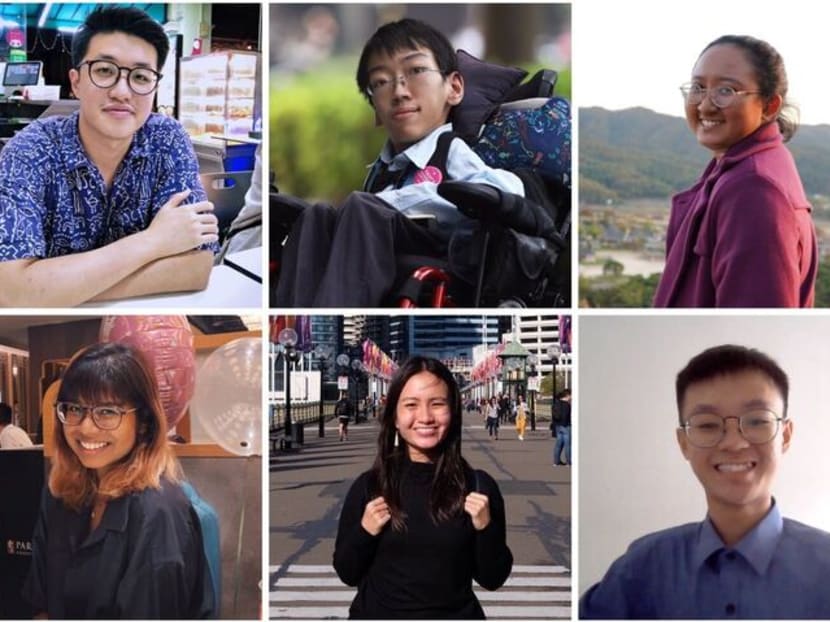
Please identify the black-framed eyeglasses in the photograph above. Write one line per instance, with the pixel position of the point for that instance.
(720, 96)
(412, 76)
(105, 74)
(104, 417)
(706, 430)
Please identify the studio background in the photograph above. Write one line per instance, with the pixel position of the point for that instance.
(633, 479)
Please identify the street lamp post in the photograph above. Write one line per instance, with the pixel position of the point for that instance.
(288, 340)
(553, 351)
(342, 361)
(357, 368)
(323, 353)
(532, 361)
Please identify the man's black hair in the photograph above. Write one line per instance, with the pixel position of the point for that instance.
(727, 360)
(129, 20)
(5, 414)
(406, 34)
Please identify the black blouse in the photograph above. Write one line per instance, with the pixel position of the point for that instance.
(426, 571)
(144, 560)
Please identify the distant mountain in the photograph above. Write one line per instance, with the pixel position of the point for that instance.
(638, 153)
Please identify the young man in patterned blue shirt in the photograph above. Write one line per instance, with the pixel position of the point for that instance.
(105, 203)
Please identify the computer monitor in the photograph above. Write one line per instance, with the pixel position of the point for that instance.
(26, 73)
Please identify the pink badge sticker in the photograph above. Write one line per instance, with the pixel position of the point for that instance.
(429, 174)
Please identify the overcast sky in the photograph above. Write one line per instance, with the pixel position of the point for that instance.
(637, 52)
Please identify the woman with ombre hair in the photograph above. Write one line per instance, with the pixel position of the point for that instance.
(116, 537)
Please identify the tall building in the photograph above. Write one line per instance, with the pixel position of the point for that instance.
(447, 337)
(452, 338)
(536, 333)
(353, 328)
(328, 330)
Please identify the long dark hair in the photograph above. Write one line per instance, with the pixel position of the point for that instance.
(451, 470)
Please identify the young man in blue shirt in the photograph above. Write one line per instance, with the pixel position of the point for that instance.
(105, 203)
(345, 257)
(744, 560)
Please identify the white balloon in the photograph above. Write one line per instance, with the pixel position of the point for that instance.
(228, 399)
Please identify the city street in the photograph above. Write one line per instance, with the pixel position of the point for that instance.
(307, 489)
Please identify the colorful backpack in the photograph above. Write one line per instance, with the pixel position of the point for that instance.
(533, 138)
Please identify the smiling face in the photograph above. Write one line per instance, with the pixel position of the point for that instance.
(113, 115)
(737, 476)
(410, 109)
(423, 415)
(99, 449)
(718, 129)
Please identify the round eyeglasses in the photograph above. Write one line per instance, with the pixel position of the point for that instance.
(706, 430)
(104, 417)
(413, 77)
(720, 96)
(106, 74)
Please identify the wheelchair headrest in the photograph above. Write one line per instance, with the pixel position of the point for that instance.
(486, 85)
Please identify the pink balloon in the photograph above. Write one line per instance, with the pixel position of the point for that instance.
(166, 341)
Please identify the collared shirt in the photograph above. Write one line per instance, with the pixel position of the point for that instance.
(421, 197)
(12, 437)
(145, 560)
(775, 571)
(53, 199)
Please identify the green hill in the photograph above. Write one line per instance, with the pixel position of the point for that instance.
(638, 153)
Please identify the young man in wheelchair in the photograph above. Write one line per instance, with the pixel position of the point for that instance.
(346, 257)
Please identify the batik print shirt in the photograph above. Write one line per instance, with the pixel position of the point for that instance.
(53, 200)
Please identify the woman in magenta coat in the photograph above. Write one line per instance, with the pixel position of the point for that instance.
(743, 235)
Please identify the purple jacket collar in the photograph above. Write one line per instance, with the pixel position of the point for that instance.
(694, 202)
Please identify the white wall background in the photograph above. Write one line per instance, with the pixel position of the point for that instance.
(632, 477)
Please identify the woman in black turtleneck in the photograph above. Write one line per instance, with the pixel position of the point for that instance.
(418, 527)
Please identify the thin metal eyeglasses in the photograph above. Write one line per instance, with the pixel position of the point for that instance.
(412, 76)
(757, 427)
(104, 417)
(720, 96)
(105, 74)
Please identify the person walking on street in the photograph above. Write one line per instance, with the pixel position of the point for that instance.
(343, 412)
(501, 404)
(491, 414)
(561, 427)
(521, 417)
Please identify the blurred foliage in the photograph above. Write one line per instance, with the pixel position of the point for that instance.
(618, 290)
(546, 386)
(637, 153)
(638, 291)
(823, 283)
(323, 134)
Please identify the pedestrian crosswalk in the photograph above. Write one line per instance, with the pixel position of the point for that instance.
(313, 592)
